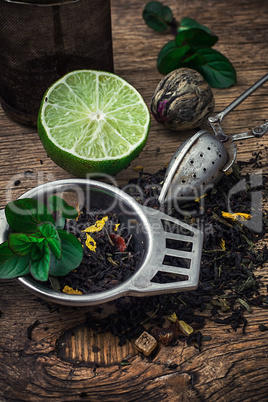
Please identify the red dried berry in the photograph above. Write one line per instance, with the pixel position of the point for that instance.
(118, 241)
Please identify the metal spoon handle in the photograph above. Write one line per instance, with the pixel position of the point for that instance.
(241, 98)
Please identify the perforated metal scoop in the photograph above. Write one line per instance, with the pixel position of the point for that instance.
(157, 235)
(200, 161)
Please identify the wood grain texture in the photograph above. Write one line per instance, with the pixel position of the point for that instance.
(60, 358)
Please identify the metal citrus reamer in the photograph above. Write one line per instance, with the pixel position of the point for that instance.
(201, 161)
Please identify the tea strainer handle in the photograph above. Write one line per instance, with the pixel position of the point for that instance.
(174, 256)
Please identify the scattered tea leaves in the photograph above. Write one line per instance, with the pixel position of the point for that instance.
(228, 287)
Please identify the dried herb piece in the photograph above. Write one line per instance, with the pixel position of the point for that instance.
(31, 328)
(263, 327)
(119, 242)
(166, 335)
(146, 343)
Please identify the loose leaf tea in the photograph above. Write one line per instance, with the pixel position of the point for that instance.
(109, 258)
(228, 286)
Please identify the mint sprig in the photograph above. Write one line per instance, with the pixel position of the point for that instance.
(157, 16)
(36, 245)
(191, 47)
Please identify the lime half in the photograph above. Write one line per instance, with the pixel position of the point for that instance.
(93, 121)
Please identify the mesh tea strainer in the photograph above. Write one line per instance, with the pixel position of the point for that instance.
(151, 230)
(201, 161)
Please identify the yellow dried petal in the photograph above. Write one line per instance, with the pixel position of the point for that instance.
(138, 168)
(116, 226)
(236, 216)
(97, 227)
(90, 243)
(71, 291)
(78, 211)
(222, 244)
(185, 328)
(173, 317)
(202, 196)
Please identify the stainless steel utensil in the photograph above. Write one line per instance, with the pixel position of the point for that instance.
(151, 230)
(201, 161)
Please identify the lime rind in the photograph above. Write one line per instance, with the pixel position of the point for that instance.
(93, 116)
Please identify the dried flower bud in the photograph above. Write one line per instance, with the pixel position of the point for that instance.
(182, 100)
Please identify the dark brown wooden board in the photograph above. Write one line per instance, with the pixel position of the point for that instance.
(60, 358)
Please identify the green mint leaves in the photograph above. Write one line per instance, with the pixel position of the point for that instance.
(25, 214)
(37, 245)
(11, 264)
(187, 23)
(157, 16)
(191, 48)
(214, 67)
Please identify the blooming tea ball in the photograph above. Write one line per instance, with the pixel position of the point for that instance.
(182, 100)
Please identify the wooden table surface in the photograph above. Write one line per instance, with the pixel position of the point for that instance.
(63, 360)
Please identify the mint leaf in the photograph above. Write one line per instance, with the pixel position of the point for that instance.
(178, 52)
(25, 214)
(12, 265)
(54, 283)
(37, 251)
(39, 269)
(57, 204)
(187, 23)
(50, 233)
(59, 222)
(171, 57)
(216, 69)
(195, 37)
(21, 244)
(157, 16)
(72, 254)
